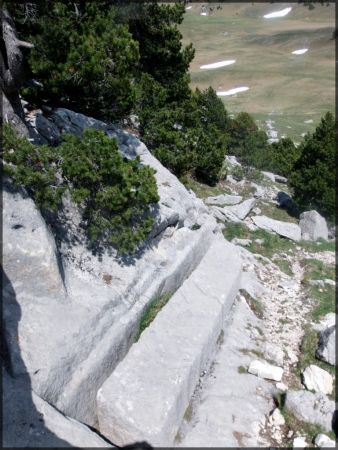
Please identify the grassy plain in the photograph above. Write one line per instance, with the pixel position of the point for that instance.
(286, 88)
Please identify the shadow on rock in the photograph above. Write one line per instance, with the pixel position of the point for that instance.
(22, 424)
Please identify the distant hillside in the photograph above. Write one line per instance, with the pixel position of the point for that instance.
(292, 90)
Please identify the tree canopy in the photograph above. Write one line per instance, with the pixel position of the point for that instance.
(313, 178)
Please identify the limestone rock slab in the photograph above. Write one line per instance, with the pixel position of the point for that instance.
(223, 199)
(242, 210)
(286, 229)
(146, 396)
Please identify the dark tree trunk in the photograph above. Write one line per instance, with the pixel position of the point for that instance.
(12, 75)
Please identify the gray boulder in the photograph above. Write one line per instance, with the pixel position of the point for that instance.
(223, 200)
(327, 345)
(314, 408)
(269, 175)
(316, 379)
(243, 209)
(313, 226)
(286, 229)
(280, 179)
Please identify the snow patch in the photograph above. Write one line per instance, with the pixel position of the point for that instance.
(308, 121)
(204, 14)
(301, 51)
(280, 13)
(218, 64)
(232, 91)
(188, 7)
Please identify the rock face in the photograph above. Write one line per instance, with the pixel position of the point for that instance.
(327, 345)
(313, 226)
(75, 314)
(148, 393)
(313, 408)
(265, 370)
(289, 230)
(317, 379)
(223, 200)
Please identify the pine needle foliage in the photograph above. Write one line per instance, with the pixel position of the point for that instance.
(115, 194)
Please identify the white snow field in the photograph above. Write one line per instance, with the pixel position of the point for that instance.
(280, 13)
(188, 7)
(301, 51)
(203, 14)
(232, 91)
(218, 64)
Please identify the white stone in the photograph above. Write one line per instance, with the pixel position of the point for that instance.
(282, 387)
(317, 379)
(242, 242)
(310, 407)
(265, 370)
(277, 417)
(324, 441)
(286, 229)
(313, 226)
(299, 442)
(146, 396)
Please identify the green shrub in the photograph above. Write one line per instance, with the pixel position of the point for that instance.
(282, 156)
(115, 194)
(184, 136)
(83, 59)
(313, 176)
(246, 141)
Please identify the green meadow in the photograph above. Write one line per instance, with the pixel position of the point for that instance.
(286, 88)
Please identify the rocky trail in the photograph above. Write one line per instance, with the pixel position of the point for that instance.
(232, 407)
(221, 364)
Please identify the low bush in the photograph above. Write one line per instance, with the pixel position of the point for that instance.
(115, 194)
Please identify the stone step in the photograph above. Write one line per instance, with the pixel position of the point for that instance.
(182, 254)
(147, 395)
